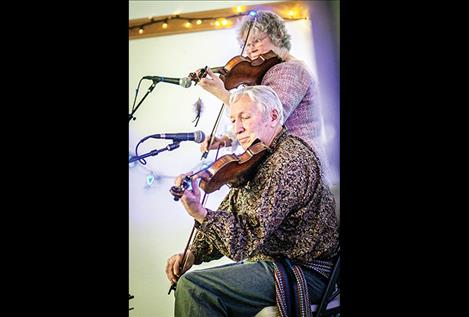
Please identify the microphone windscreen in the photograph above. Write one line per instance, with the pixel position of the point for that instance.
(185, 82)
(199, 136)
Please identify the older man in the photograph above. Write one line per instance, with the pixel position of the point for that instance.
(279, 226)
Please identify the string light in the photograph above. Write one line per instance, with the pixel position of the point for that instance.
(150, 179)
(214, 21)
(240, 9)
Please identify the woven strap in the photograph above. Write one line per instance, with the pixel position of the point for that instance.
(291, 289)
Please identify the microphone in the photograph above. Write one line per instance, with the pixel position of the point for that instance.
(184, 82)
(197, 136)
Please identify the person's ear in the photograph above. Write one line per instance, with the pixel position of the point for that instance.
(274, 118)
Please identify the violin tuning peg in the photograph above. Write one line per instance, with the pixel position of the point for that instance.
(176, 192)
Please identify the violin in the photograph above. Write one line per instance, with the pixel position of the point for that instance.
(230, 169)
(241, 70)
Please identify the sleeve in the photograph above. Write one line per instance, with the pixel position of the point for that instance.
(238, 235)
(203, 250)
(291, 82)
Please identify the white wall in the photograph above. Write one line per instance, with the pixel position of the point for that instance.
(158, 226)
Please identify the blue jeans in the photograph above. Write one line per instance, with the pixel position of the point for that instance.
(235, 289)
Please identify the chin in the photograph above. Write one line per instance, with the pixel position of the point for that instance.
(244, 144)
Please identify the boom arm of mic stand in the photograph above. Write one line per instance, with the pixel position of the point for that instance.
(169, 147)
(150, 89)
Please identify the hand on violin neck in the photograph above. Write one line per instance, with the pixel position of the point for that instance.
(214, 85)
(191, 197)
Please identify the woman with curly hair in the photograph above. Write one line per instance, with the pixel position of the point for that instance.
(291, 79)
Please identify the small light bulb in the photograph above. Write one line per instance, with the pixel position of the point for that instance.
(164, 25)
(198, 22)
(150, 179)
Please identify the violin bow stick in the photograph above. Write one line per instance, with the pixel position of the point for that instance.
(184, 259)
(212, 134)
(217, 122)
(204, 155)
(184, 255)
(204, 199)
(247, 35)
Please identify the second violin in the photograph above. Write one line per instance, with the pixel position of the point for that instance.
(230, 169)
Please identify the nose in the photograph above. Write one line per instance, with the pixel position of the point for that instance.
(238, 127)
(251, 49)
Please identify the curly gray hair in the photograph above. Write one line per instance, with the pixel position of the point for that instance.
(266, 22)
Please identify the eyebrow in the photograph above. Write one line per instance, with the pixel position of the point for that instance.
(239, 113)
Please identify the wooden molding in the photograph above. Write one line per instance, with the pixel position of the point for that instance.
(289, 10)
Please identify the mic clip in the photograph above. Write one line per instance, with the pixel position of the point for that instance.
(173, 145)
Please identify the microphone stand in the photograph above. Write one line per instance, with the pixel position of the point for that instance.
(169, 147)
(150, 89)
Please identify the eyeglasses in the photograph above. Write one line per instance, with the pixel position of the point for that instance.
(255, 42)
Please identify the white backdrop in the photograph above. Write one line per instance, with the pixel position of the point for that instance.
(158, 226)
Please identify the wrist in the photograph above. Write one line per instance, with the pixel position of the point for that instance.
(225, 97)
(226, 140)
(201, 214)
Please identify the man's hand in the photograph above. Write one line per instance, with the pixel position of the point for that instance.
(173, 264)
(191, 198)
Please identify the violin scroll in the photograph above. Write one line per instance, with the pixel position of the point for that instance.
(178, 191)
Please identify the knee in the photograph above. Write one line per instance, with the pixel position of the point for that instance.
(186, 284)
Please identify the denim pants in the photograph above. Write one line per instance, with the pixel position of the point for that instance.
(235, 289)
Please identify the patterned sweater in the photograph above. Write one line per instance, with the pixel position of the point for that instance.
(286, 209)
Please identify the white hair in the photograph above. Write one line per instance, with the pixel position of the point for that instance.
(264, 96)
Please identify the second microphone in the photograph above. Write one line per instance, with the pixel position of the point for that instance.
(197, 136)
